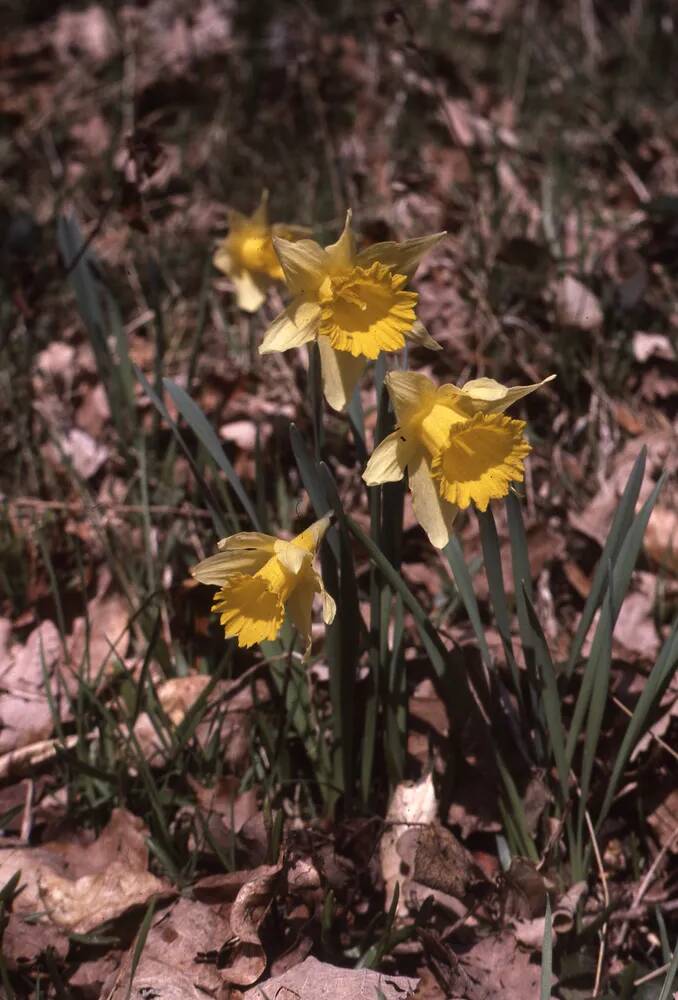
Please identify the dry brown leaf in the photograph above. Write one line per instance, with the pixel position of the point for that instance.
(661, 538)
(248, 958)
(178, 937)
(25, 715)
(315, 980)
(652, 345)
(664, 821)
(179, 694)
(77, 886)
(635, 628)
(411, 805)
(496, 967)
(441, 862)
(98, 641)
(576, 305)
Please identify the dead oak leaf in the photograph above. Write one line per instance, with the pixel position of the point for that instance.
(315, 980)
(496, 967)
(180, 952)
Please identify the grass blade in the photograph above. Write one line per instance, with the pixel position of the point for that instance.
(207, 493)
(618, 587)
(546, 956)
(654, 688)
(200, 426)
(464, 584)
(620, 524)
(667, 986)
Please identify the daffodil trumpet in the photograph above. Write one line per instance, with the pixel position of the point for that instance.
(260, 577)
(247, 255)
(353, 304)
(456, 443)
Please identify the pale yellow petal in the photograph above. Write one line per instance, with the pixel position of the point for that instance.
(402, 258)
(260, 214)
(342, 253)
(296, 325)
(218, 568)
(300, 608)
(310, 539)
(435, 515)
(489, 396)
(248, 540)
(285, 231)
(305, 264)
(222, 259)
(329, 606)
(250, 290)
(420, 336)
(409, 392)
(340, 373)
(291, 556)
(388, 460)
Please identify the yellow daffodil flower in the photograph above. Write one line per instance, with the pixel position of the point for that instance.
(456, 443)
(259, 576)
(247, 256)
(353, 304)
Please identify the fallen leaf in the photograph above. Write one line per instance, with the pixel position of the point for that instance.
(496, 967)
(25, 714)
(441, 862)
(652, 345)
(315, 980)
(83, 452)
(411, 805)
(77, 887)
(635, 628)
(175, 960)
(577, 306)
(247, 959)
(664, 821)
(661, 538)
(98, 641)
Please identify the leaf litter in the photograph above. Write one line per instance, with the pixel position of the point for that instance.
(298, 885)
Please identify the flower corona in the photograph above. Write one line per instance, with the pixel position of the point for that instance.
(457, 445)
(354, 305)
(259, 577)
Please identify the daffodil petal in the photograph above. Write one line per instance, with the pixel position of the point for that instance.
(300, 608)
(409, 391)
(291, 556)
(340, 373)
(248, 540)
(250, 291)
(245, 552)
(296, 325)
(304, 263)
(222, 259)
(490, 396)
(401, 258)
(420, 336)
(388, 460)
(249, 609)
(342, 253)
(329, 606)
(260, 216)
(435, 515)
(310, 539)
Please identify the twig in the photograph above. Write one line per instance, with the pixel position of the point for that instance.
(78, 508)
(651, 975)
(606, 900)
(658, 739)
(647, 881)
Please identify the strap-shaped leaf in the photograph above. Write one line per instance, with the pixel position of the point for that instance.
(202, 429)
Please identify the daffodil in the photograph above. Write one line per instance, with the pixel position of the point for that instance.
(259, 576)
(247, 256)
(354, 305)
(457, 445)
